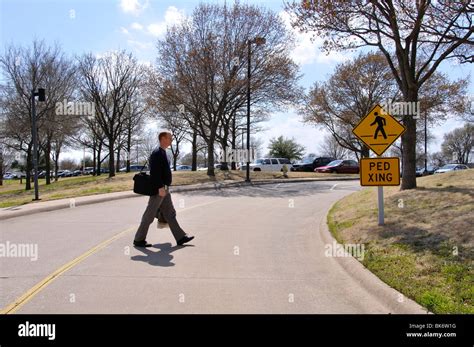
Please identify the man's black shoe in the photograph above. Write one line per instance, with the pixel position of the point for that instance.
(141, 244)
(185, 239)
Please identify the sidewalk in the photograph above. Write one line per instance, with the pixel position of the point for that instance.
(17, 211)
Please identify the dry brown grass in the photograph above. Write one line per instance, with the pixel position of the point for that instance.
(12, 193)
(426, 247)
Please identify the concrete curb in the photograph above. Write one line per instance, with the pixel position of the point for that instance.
(23, 210)
(367, 279)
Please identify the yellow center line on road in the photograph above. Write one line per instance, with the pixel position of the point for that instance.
(18, 303)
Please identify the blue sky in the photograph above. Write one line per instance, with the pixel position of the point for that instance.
(99, 26)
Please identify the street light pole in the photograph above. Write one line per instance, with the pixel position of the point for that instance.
(249, 44)
(34, 134)
(258, 41)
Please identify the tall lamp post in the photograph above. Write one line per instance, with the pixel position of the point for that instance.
(258, 41)
(34, 133)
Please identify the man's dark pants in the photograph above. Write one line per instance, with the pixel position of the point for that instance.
(157, 204)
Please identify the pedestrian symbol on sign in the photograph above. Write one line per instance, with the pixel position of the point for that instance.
(381, 122)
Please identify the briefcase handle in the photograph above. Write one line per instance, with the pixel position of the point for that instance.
(146, 162)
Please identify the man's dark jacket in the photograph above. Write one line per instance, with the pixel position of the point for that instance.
(160, 170)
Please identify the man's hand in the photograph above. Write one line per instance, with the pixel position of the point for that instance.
(162, 192)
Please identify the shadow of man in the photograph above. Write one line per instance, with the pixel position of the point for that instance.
(161, 258)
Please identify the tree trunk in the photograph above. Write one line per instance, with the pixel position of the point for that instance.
(234, 140)
(365, 153)
(1, 168)
(409, 147)
(175, 159)
(111, 158)
(210, 155)
(129, 149)
(56, 166)
(99, 152)
(99, 163)
(94, 158)
(194, 151)
(117, 164)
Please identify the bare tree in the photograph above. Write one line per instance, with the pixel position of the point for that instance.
(7, 157)
(203, 64)
(356, 86)
(178, 127)
(331, 148)
(25, 69)
(415, 37)
(459, 143)
(468, 115)
(93, 138)
(111, 82)
(349, 94)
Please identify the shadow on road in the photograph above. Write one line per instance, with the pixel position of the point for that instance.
(275, 190)
(161, 258)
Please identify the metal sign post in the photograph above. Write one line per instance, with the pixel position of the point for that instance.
(380, 205)
(379, 130)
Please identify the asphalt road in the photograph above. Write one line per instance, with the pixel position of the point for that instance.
(257, 250)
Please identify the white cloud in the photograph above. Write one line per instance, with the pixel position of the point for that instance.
(139, 45)
(157, 29)
(133, 6)
(136, 26)
(172, 16)
(307, 50)
(289, 125)
(124, 31)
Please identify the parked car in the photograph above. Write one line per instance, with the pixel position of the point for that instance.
(420, 171)
(64, 173)
(184, 167)
(134, 168)
(309, 164)
(268, 164)
(77, 173)
(42, 174)
(14, 175)
(8, 176)
(339, 166)
(451, 167)
(88, 171)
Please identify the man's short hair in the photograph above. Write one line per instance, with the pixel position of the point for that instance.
(163, 134)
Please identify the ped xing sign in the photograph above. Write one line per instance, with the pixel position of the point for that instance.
(380, 171)
(378, 130)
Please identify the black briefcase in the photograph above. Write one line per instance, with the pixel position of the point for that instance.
(142, 184)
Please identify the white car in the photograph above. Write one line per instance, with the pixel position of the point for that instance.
(451, 167)
(268, 164)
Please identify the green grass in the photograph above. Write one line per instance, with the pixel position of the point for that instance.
(425, 249)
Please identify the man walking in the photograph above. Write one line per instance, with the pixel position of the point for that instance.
(161, 202)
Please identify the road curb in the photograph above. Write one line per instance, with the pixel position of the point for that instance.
(374, 285)
(46, 206)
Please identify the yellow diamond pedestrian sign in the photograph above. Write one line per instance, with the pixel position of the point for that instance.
(378, 130)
